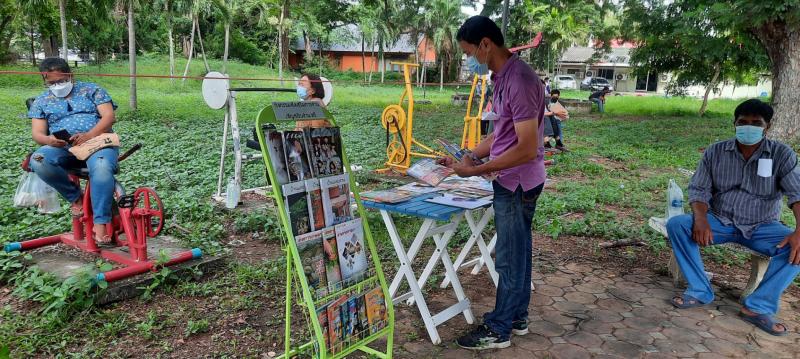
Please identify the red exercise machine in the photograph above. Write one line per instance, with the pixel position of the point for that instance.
(135, 218)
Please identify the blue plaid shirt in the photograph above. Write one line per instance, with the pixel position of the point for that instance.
(75, 113)
(734, 191)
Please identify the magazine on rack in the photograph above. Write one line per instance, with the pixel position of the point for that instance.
(297, 156)
(428, 171)
(376, 309)
(325, 147)
(277, 155)
(336, 199)
(315, 209)
(309, 248)
(352, 250)
(332, 270)
(294, 195)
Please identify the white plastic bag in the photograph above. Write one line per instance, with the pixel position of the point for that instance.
(674, 200)
(32, 191)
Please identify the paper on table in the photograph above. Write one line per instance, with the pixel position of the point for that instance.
(461, 202)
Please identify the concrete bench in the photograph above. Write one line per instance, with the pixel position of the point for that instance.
(758, 262)
(460, 99)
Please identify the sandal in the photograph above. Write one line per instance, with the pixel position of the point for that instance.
(688, 302)
(765, 323)
(76, 211)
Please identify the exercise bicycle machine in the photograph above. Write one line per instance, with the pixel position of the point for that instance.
(472, 124)
(135, 218)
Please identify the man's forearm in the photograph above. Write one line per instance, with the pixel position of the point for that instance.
(103, 126)
(483, 148)
(515, 156)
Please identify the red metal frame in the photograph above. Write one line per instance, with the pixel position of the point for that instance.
(130, 227)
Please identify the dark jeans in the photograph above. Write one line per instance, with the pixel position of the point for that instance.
(552, 127)
(513, 219)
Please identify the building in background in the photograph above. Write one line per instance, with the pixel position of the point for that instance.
(345, 54)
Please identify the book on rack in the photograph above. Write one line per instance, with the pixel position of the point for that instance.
(316, 213)
(322, 316)
(325, 147)
(335, 324)
(336, 199)
(312, 256)
(376, 309)
(352, 250)
(296, 201)
(391, 195)
(277, 155)
(428, 171)
(362, 327)
(332, 271)
(352, 318)
(297, 159)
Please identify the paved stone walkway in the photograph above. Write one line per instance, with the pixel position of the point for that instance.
(587, 311)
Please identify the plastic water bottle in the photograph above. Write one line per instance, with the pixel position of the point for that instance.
(674, 200)
(232, 194)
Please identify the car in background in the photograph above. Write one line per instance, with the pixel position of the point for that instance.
(565, 82)
(595, 84)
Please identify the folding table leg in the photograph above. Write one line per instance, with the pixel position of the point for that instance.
(441, 249)
(413, 249)
(463, 303)
(476, 237)
(405, 270)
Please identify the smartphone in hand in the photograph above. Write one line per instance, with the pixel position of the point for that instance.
(63, 135)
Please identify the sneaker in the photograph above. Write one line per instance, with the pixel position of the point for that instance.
(519, 327)
(482, 338)
(562, 148)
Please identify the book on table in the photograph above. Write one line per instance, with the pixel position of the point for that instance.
(336, 199)
(312, 256)
(416, 188)
(460, 202)
(297, 159)
(352, 250)
(296, 203)
(428, 171)
(325, 147)
(391, 195)
(277, 154)
(315, 208)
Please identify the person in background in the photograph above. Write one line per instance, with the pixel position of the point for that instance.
(515, 151)
(599, 97)
(553, 115)
(85, 111)
(736, 195)
(310, 88)
(546, 86)
(487, 117)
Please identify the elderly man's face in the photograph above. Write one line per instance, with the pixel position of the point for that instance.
(54, 77)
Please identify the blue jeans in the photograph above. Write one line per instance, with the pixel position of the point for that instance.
(513, 218)
(51, 165)
(780, 273)
(600, 104)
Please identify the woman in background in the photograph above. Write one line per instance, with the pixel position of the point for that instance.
(309, 88)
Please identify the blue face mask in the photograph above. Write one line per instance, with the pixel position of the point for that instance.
(477, 67)
(749, 135)
(302, 92)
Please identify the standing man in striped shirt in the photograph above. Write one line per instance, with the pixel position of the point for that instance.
(736, 195)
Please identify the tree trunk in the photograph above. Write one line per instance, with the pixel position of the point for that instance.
(191, 52)
(504, 30)
(422, 63)
(132, 54)
(380, 54)
(419, 60)
(284, 54)
(363, 59)
(371, 58)
(441, 74)
(49, 46)
(171, 48)
(62, 10)
(710, 86)
(309, 53)
(225, 52)
(33, 46)
(782, 42)
(202, 48)
(281, 44)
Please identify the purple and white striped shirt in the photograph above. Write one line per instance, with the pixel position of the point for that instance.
(734, 191)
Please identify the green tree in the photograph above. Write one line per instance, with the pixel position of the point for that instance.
(685, 39)
(444, 17)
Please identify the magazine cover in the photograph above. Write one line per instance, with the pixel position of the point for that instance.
(296, 156)
(335, 328)
(326, 151)
(277, 155)
(296, 202)
(376, 309)
(315, 210)
(428, 171)
(332, 270)
(336, 199)
(322, 315)
(309, 247)
(352, 318)
(363, 323)
(352, 251)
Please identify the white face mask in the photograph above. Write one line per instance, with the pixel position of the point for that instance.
(61, 89)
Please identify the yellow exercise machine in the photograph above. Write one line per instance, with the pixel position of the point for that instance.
(472, 124)
(399, 127)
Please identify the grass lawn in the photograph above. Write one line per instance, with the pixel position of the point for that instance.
(608, 185)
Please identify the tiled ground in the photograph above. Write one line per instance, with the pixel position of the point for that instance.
(588, 311)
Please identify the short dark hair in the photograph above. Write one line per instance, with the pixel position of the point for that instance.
(316, 84)
(555, 92)
(754, 107)
(605, 89)
(54, 64)
(476, 28)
